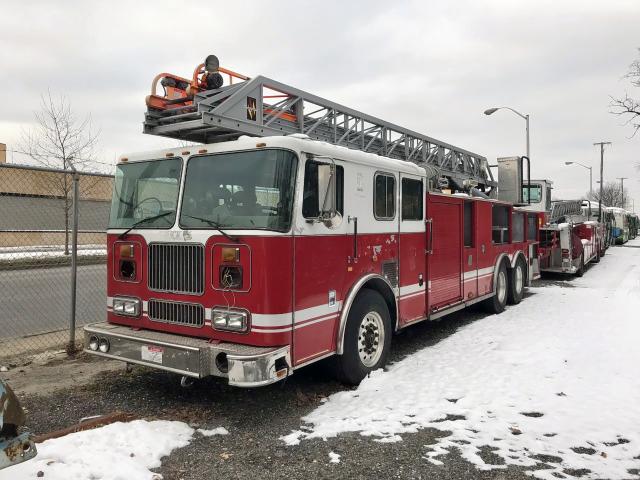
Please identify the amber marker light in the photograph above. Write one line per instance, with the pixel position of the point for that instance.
(230, 254)
(126, 250)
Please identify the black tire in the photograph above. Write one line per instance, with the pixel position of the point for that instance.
(580, 271)
(596, 259)
(498, 302)
(517, 280)
(350, 367)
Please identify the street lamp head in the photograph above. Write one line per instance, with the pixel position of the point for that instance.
(568, 163)
(489, 111)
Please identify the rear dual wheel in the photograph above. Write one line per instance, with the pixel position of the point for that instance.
(498, 302)
(516, 282)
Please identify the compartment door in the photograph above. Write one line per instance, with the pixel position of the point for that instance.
(445, 259)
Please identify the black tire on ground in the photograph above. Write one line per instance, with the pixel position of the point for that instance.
(596, 259)
(367, 338)
(517, 280)
(580, 271)
(498, 302)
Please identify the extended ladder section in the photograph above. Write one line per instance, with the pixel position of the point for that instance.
(191, 110)
(563, 210)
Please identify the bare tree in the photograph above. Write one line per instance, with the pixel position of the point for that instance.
(59, 140)
(611, 195)
(629, 107)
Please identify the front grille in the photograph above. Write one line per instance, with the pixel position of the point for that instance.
(189, 314)
(176, 268)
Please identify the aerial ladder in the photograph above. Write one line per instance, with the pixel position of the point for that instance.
(565, 210)
(217, 104)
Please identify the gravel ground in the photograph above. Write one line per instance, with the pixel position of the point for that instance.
(257, 418)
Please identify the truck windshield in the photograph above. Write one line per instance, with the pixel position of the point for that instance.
(146, 189)
(240, 190)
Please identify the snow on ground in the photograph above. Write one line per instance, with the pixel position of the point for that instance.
(556, 376)
(213, 431)
(56, 251)
(334, 457)
(113, 452)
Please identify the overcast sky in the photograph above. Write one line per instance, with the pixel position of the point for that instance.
(433, 66)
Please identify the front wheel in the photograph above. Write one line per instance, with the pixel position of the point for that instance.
(498, 302)
(580, 271)
(367, 338)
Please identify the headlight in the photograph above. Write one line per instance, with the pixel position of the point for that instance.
(232, 320)
(129, 307)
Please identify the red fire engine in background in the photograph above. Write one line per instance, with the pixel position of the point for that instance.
(297, 229)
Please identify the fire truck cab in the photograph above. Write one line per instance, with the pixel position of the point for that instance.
(252, 258)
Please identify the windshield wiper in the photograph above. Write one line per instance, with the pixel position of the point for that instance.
(215, 225)
(144, 220)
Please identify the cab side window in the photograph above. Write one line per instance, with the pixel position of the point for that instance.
(312, 197)
(411, 199)
(384, 196)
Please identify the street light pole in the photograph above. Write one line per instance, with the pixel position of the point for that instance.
(602, 144)
(590, 177)
(490, 111)
(622, 179)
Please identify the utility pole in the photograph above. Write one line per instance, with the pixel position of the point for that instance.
(602, 144)
(622, 179)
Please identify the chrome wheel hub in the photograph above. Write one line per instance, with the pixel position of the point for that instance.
(502, 286)
(519, 279)
(371, 339)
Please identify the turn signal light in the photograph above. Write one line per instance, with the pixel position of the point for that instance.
(126, 250)
(230, 254)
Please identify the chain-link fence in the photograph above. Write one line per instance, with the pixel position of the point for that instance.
(38, 271)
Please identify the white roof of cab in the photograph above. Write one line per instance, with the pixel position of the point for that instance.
(298, 143)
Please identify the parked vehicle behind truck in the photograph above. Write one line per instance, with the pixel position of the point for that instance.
(16, 446)
(620, 229)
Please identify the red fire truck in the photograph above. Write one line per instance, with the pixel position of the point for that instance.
(569, 239)
(297, 229)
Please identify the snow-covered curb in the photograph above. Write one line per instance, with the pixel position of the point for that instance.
(556, 376)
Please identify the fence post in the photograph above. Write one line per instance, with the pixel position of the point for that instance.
(71, 346)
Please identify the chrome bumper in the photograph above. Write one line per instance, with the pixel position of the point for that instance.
(242, 365)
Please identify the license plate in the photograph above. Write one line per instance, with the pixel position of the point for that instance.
(151, 353)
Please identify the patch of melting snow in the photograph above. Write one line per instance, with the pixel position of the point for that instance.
(552, 380)
(213, 431)
(113, 452)
(334, 457)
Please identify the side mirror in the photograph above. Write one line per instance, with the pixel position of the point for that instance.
(329, 214)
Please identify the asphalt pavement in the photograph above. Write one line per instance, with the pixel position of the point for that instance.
(38, 300)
